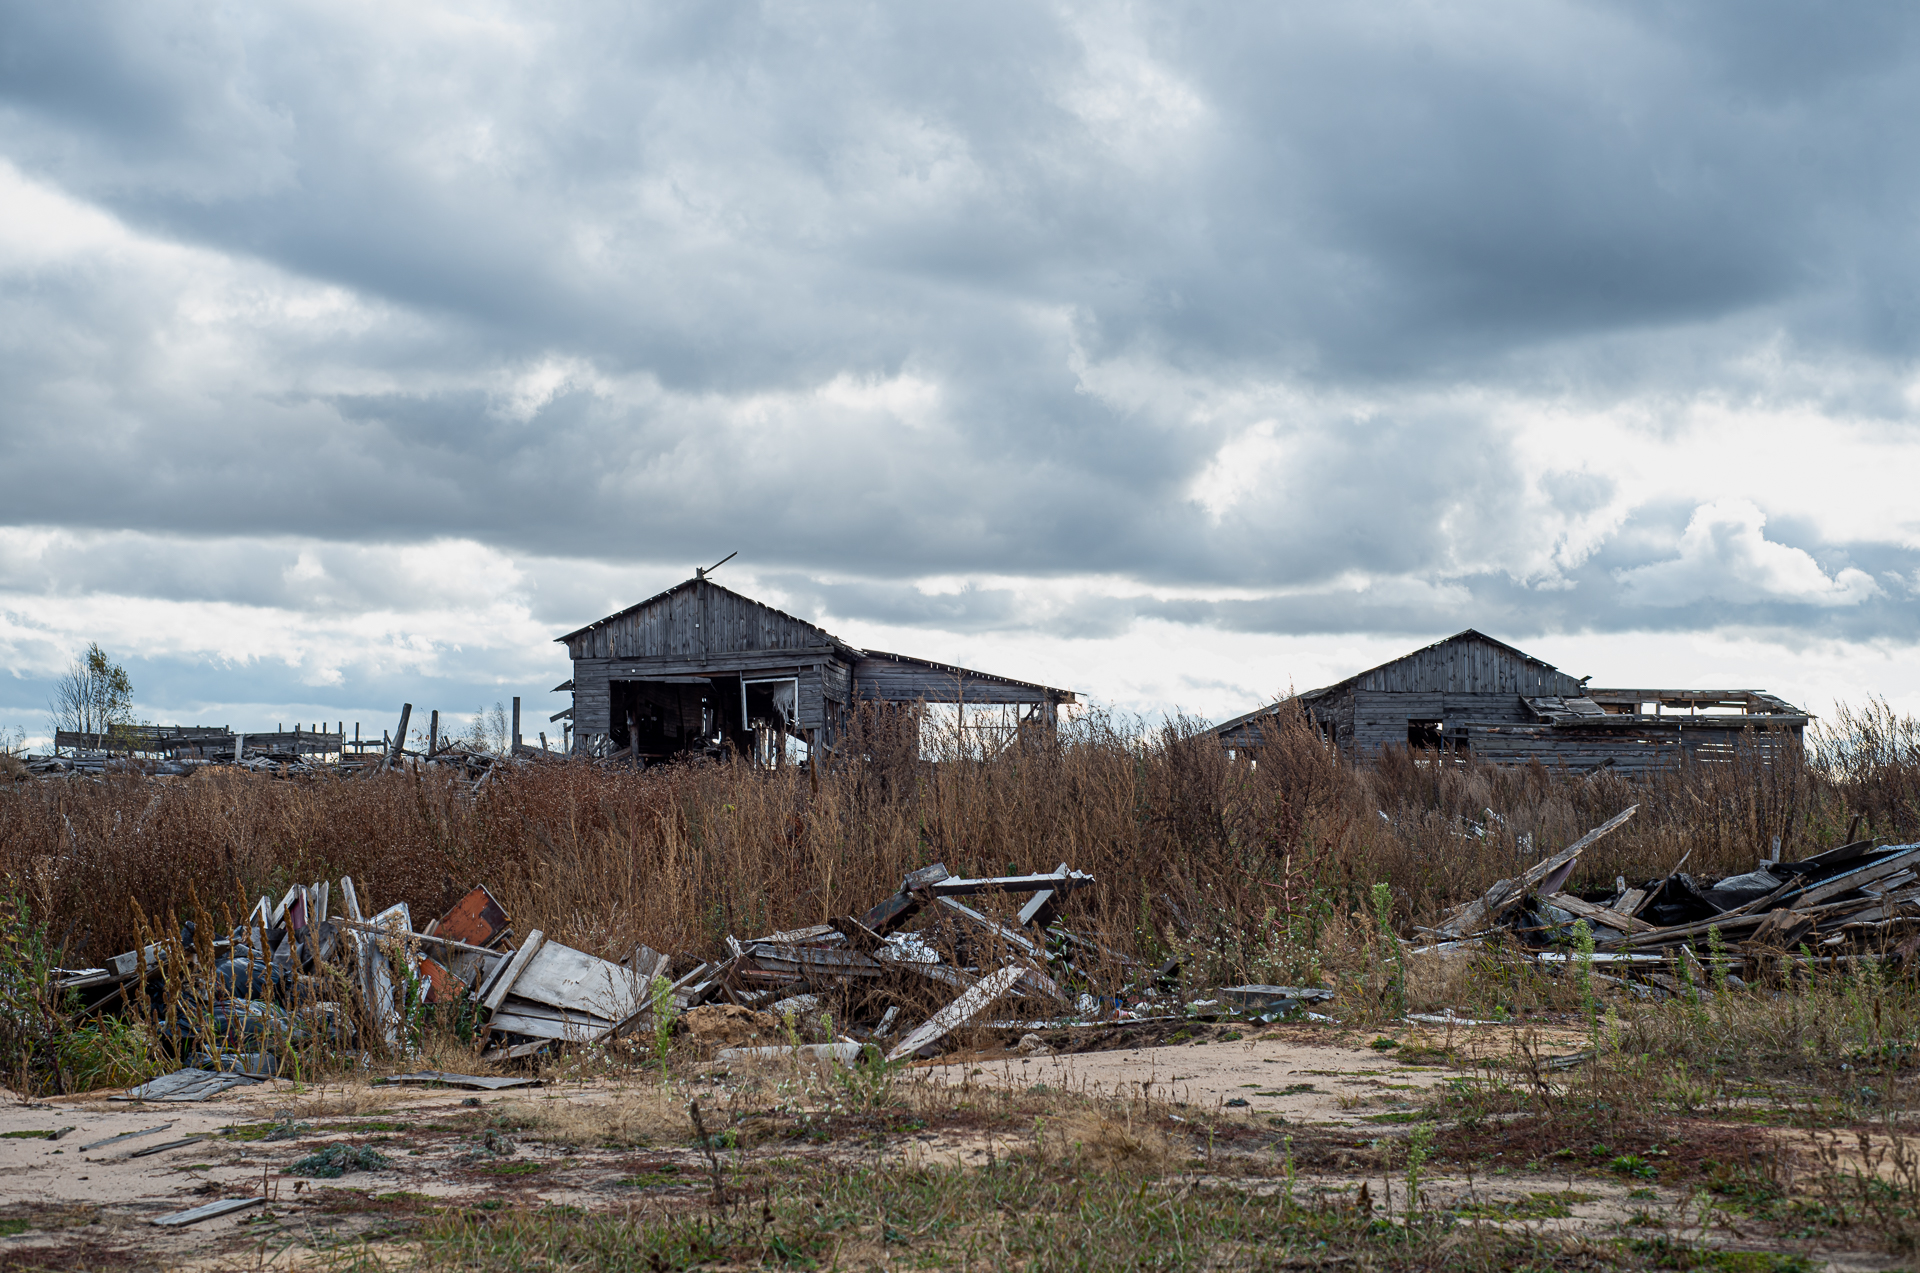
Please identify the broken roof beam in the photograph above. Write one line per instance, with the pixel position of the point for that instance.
(1746, 702)
(1483, 912)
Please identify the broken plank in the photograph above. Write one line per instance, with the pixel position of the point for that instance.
(982, 924)
(503, 980)
(1846, 883)
(1483, 911)
(577, 982)
(1594, 914)
(212, 1210)
(582, 1029)
(150, 1150)
(960, 886)
(1042, 908)
(123, 1137)
(971, 1003)
(518, 1052)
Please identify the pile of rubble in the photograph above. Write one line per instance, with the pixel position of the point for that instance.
(900, 978)
(1856, 903)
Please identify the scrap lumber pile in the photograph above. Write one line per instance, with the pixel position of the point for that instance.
(301, 971)
(1857, 902)
(880, 974)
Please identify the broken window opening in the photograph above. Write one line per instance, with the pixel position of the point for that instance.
(1425, 735)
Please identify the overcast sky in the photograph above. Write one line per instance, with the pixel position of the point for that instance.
(350, 353)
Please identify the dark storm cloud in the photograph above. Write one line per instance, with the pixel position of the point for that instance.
(898, 291)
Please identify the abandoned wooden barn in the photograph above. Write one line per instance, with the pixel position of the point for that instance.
(1471, 694)
(700, 668)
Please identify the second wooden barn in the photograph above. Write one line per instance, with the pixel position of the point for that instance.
(1473, 694)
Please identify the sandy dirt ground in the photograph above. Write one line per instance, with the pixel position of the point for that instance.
(92, 1208)
(1327, 1085)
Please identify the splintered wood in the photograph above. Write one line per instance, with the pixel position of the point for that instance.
(1856, 903)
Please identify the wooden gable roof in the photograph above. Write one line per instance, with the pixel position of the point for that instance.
(1468, 662)
(698, 618)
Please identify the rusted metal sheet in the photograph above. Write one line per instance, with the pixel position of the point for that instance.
(476, 919)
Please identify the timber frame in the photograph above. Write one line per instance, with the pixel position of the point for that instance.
(1473, 694)
(702, 669)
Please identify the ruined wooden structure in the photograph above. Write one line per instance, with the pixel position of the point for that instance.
(198, 742)
(700, 668)
(1471, 694)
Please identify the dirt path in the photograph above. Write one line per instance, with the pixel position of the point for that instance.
(1302, 1077)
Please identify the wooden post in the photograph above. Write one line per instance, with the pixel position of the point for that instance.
(239, 748)
(543, 741)
(516, 722)
(399, 737)
(433, 733)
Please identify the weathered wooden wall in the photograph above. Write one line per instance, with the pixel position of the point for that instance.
(694, 622)
(1631, 751)
(1375, 719)
(1466, 667)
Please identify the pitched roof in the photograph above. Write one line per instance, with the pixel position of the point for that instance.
(1465, 634)
(826, 638)
(1308, 696)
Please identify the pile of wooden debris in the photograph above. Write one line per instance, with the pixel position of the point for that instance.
(902, 977)
(1856, 903)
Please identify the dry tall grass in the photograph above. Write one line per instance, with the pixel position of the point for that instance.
(1188, 844)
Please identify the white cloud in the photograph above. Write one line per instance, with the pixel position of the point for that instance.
(358, 347)
(1725, 556)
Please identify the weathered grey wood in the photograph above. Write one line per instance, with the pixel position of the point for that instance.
(544, 1021)
(980, 923)
(698, 628)
(377, 982)
(1062, 880)
(123, 1137)
(425, 939)
(1043, 905)
(1477, 914)
(577, 982)
(1582, 909)
(479, 1082)
(399, 738)
(128, 965)
(496, 990)
(1839, 884)
(971, 1003)
(209, 1211)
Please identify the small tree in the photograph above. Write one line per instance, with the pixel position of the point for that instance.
(92, 696)
(489, 730)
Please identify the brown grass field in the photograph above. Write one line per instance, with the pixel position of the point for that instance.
(1765, 1128)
